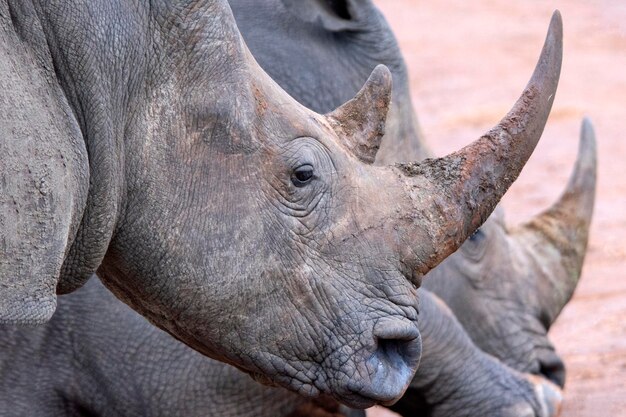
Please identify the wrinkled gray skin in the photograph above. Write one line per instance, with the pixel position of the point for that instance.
(96, 357)
(451, 368)
(141, 139)
(506, 285)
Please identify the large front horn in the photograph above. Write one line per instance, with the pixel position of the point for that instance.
(565, 227)
(459, 191)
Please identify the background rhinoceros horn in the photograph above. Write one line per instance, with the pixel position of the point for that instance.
(565, 225)
(465, 186)
(361, 121)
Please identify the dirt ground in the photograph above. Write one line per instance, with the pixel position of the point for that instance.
(468, 62)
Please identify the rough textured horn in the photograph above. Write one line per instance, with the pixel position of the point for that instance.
(361, 121)
(565, 225)
(465, 186)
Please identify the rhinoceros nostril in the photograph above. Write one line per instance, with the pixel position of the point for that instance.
(391, 366)
(392, 362)
(393, 351)
(397, 343)
(553, 368)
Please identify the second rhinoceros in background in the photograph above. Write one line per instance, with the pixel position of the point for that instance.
(507, 285)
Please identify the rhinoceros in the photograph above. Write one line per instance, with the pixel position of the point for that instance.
(176, 393)
(506, 285)
(142, 140)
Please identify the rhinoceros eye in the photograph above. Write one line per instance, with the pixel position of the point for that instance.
(477, 236)
(475, 246)
(302, 175)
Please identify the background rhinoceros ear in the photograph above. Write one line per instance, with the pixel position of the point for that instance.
(43, 180)
(333, 15)
(361, 121)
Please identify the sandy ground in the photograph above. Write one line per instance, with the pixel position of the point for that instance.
(468, 63)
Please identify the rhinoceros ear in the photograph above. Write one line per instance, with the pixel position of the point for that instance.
(333, 15)
(43, 181)
(361, 121)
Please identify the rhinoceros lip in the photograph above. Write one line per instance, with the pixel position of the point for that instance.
(352, 399)
(354, 396)
(367, 398)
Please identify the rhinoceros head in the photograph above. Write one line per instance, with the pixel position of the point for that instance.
(507, 287)
(275, 245)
